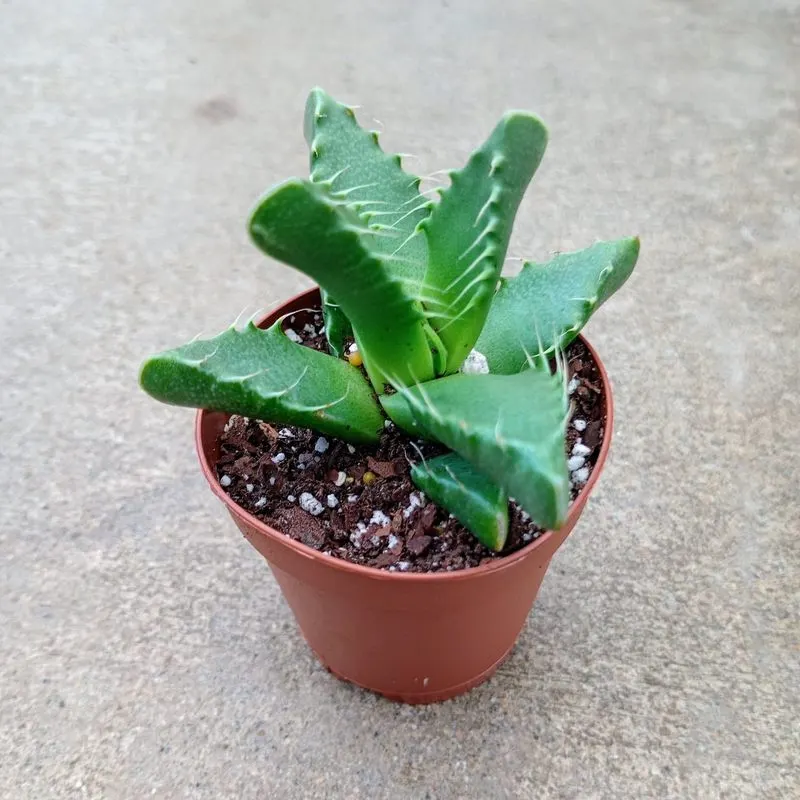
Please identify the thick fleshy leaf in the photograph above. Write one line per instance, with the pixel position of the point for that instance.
(511, 428)
(546, 305)
(478, 504)
(302, 224)
(262, 374)
(350, 161)
(337, 326)
(469, 229)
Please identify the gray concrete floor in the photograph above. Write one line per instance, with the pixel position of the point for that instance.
(145, 648)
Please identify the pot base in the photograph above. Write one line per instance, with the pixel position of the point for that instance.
(425, 698)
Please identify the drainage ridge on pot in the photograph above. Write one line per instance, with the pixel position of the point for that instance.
(416, 637)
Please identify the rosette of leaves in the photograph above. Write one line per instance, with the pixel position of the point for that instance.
(416, 281)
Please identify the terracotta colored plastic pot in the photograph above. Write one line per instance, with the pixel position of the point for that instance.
(416, 638)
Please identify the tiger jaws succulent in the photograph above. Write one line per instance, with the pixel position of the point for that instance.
(416, 282)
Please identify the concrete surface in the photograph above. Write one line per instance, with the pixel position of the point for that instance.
(145, 649)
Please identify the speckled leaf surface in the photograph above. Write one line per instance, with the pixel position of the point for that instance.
(304, 225)
(511, 428)
(546, 305)
(476, 502)
(352, 163)
(469, 229)
(262, 374)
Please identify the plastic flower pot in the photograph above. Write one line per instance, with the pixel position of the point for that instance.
(414, 638)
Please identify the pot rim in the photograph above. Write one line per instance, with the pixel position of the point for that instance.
(310, 298)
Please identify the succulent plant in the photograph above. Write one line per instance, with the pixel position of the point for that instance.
(416, 282)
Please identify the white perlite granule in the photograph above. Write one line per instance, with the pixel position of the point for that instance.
(310, 503)
(291, 334)
(581, 475)
(573, 385)
(379, 518)
(579, 424)
(277, 459)
(576, 462)
(415, 501)
(581, 449)
(322, 445)
(225, 481)
(332, 501)
(475, 364)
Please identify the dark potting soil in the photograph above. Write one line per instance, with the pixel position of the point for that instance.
(358, 503)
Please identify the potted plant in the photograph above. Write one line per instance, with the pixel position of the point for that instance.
(409, 444)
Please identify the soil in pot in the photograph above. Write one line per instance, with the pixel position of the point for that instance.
(358, 503)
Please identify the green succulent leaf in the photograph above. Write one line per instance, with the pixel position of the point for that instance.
(350, 161)
(337, 326)
(477, 503)
(302, 224)
(469, 229)
(546, 305)
(262, 374)
(511, 428)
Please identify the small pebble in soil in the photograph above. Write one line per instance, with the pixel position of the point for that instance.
(310, 504)
(225, 480)
(321, 445)
(575, 462)
(581, 475)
